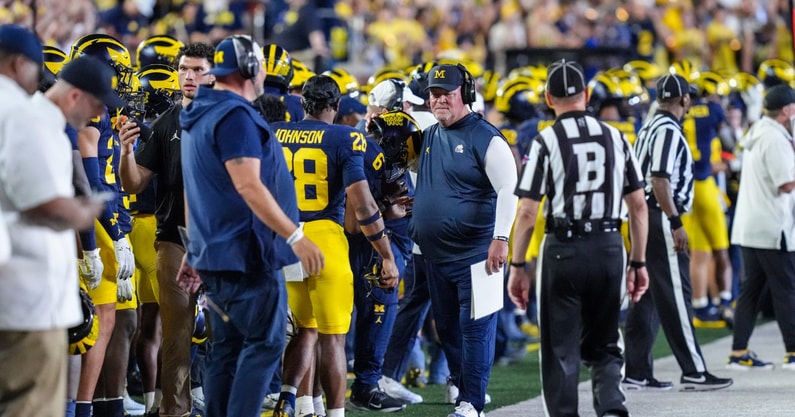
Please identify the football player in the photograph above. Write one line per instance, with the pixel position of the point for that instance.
(327, 164)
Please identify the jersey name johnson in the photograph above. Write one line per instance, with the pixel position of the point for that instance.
(324, 159)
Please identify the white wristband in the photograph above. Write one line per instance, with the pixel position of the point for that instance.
(297, 235)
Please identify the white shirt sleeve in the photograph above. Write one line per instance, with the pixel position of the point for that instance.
(501, 170)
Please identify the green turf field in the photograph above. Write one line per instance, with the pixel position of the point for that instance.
(514, 383)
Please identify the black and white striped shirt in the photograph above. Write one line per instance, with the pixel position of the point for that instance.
(583, 166)
(663, 152)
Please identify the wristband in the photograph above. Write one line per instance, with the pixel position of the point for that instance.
(377, 236)
(501, 238)
(637, 264)
(518, 264)
(297, 235)
(676, 222)
(370, 220)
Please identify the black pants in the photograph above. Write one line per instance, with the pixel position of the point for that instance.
(581, 284)
(667, 303)
(776, 268)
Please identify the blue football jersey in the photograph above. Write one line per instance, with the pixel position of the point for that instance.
(700, 127)
(108, 156)
(324, 159)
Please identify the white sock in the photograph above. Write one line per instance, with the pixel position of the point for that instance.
(197, 392)
(726, 296)
(700, 302)
(289, 388)
(320, 409)
(304, 405)
(336, 412)
(149, 399)
(158, 398)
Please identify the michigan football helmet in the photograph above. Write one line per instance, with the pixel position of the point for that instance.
(84, 336)
(401, 139)
(776, 71)
(278, 67)
(488, 85)
(301, 73)
(54, 60)
(382, 75)
(647, 71)
(710, 82)
(159, 49)
(109, 50)
(160, 87)
(749, 92)
(686, 68)
(519, 97)
(604, 89)
(538, 72)
(347, 83)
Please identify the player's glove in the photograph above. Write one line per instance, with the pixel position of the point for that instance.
(125, 259)
(91, 268)
(124, 290)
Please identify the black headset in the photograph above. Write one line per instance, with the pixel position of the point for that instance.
(468, 93)
(247, 62)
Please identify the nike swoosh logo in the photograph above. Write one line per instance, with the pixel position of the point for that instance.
(702, 378)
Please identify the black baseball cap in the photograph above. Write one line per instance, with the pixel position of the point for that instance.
(565, 78)
(447, 77)
(95, 77)
(672, 86)
(779, 96)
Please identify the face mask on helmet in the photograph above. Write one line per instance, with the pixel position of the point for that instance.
(160, 87)
(401, 138)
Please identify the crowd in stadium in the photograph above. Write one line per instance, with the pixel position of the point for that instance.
(368, 72)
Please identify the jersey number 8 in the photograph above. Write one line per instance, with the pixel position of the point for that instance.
(311, 187)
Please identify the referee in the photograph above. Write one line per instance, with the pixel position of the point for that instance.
(585, 168)
(667, 164)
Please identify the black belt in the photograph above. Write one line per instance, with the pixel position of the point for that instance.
(564, 228)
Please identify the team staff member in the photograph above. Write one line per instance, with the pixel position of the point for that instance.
(233, 218)
(667, 166)
(38, 282)
(466, 167)
(763, 227)
(585, 168)
(326, 161)
(160, 155)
